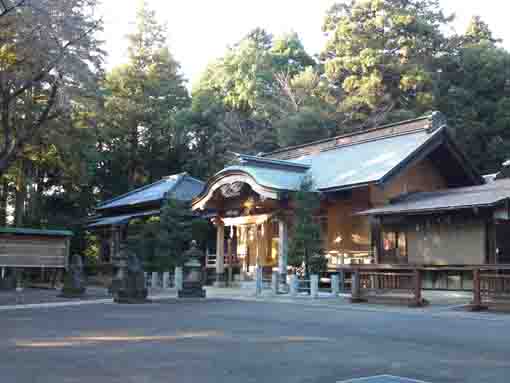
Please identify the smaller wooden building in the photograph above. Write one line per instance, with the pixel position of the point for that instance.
(113, 216)
(452, 227)
(32, 250)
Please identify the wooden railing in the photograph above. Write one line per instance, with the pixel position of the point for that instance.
(227, 260)
(491, 283)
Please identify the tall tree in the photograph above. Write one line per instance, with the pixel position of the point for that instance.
(245, 82)
(139, 138)
(378, 57)
(473, 90)
(306, 233)
(48, 55)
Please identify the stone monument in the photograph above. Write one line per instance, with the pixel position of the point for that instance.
(192, 285)
(128, 285)
(74, 280)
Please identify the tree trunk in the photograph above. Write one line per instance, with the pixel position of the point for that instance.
(21, 196)
(4, 193)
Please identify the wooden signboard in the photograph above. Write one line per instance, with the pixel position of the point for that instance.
(33, 251)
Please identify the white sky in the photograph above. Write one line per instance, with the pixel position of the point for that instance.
(200, 30)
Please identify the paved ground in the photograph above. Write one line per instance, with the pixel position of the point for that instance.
(218, 340)
(34, 296)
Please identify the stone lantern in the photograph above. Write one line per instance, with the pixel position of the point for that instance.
(192, 284)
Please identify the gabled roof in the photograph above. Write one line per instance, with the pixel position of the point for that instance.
(182, 186)
(486, 195)
(121, 219)
(351, 160)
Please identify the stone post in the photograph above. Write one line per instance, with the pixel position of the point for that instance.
(341, 281)
(166, 279)
(477, 292)
(293, 285)
(220, 253)
(335, 286)
(417, 297)
(178, 278)
(356, 287)
(283, 250)
(19, 287)
(258, 281)
(274, 282)
(314, 285)
(154, 279)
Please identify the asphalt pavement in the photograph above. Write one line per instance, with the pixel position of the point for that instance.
(222, 340)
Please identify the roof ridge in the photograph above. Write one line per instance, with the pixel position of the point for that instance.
(351, 134)
(141, 188)
(282, 163)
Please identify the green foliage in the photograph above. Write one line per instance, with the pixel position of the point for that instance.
(378, 56)
(245, 83)
(305, 236)
(318, 264)
(140, 140)
(474, 93)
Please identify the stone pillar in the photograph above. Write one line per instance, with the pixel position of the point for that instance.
(293, 285)
(314, 285)
(341, 281)
(283, 250)
(166, 279)
(154, 280)
(335, 285)
(274, 282)
(356, 287)
(258, 281)
(477, 305)
(220, 253)
(417, 298)
(178, 278)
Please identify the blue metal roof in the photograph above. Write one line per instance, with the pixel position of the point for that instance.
(365, 162)
(338, 168)
(182, 187)
(273, 178)
(121, 219)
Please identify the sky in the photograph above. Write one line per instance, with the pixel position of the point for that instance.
(200, 31)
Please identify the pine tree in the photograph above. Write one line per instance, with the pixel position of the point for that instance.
(306, 233)
(174, 234)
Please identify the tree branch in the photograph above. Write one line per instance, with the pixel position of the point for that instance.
(5, 9)
(43, 73)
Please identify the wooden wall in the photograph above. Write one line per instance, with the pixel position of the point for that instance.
(433, 241)
(355, 231)
(422, 176)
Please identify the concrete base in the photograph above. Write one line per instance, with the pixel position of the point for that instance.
(69, 292)
(421, 303)
(358, 300)
(220, 284)
(126, 300)
(477, 308)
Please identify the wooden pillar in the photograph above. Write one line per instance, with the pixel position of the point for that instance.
(258, 254)
(283, 250)
(230, 255)
(375, 238)
(220, 242)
